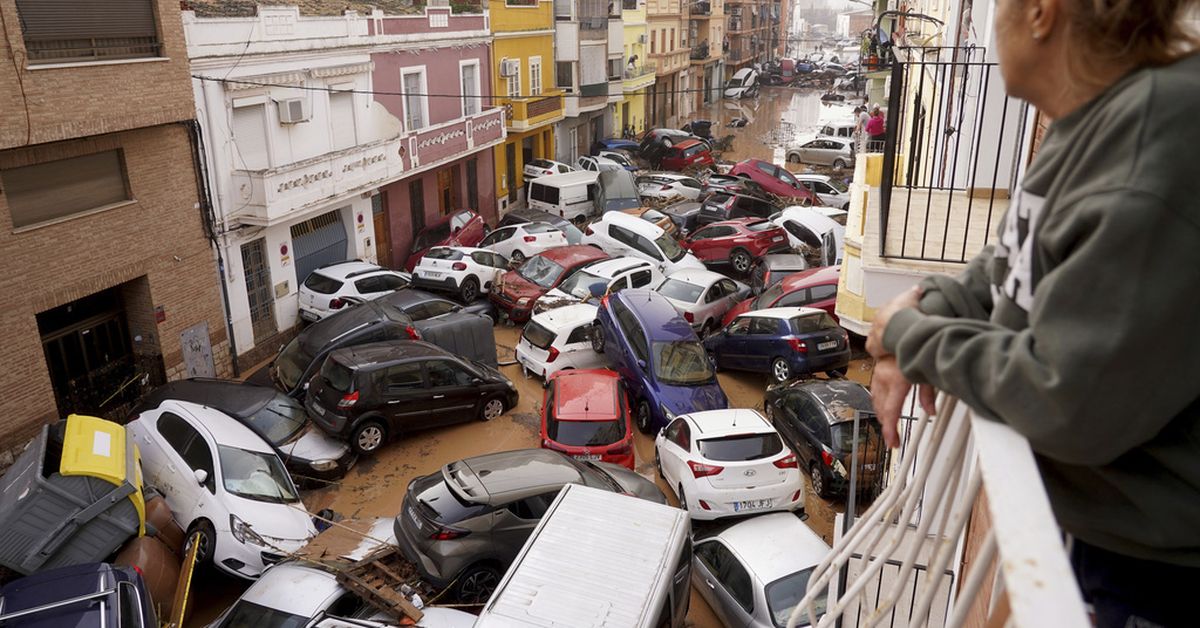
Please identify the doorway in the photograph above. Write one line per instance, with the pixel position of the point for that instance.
(258, 289)
(383, 230)
(510, 170)
(447, 189)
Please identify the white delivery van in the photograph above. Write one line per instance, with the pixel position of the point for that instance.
(598, 559)
(570, 195)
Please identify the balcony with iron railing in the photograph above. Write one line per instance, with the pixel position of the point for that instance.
(522, 114)
(638, 76)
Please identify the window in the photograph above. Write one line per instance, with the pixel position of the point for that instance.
(641, 278)
(56, 189)
(175, 431)
(513, 88)
(679, 433)
(653, 39)
(796, 298)
(442, 373)
(56, 32)
(367, 285)
(563, 75)
(740, 326)
(535, 76)
(725, 567)
(250, 137)
(822, 292)
(341, 117)
(473, 182)
(498, 235)
(130, 605)
(415, 103)
(672, 40)
(532, 508)
(579, 334)
(431, 309)
(403, 377)
(614, 69)
(469, 79)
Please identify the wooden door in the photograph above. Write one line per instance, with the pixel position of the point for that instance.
(446, 196)
(383, 240)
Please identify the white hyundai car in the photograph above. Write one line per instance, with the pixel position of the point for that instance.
(724, 463)
(224, 484)
(667, 185)
(520, 242)
(620, 234)
(329, 289)
(468, 272)
(541, 167)
(702, 296)
(557, 340)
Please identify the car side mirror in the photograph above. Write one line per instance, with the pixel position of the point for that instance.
(641, 364)
(201, 476)
(475, 381)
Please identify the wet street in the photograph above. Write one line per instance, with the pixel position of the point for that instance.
(376, 486)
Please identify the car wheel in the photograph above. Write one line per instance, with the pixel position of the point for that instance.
(666, 142)
(793, 158)
(740, 260)
(517, 257)
(491, 409)
(780, 370)
(838, 372)
(476, 584)
(846, 207)
(205, 537)
(597, 336)
(712, 359)
(643, 417)
(839, 164)
(368, 437)
(683, 505)
(818, 481)
(469, 291)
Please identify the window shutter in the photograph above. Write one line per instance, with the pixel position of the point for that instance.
(73, 30)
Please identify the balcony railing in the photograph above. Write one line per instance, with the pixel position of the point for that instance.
(703, 7)
(700, 52)
(899, 563)
(523, 112)
(629, 5)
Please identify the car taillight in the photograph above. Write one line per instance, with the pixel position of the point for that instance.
(547, 172)
(827, 457)
(701, 470)
(704, 505)
(337, 304)
(798, 345)
(459, 266)
(666, 188)
(788, 462)
(530, 238)
(412, 332)
(796, 495)
(348, 400)
(689, 317)
(448, 534)
(553, 354)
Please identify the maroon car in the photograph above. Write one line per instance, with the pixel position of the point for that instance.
(736, 242)
(462, 228)
(516, 290)
(687, 154)
(774, 179)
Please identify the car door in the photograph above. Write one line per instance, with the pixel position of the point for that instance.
(621, 242)
(706, 243)
(810, 152)
(731, 351)
(370, 288)
(762, 343)
(488, 267)
(499, 241)
(513, 522)
(814, 428)
(709, 305)
(786, 419)
(181, 451)
(674, 452)
(407, 401)
(454, 391)
(576, 349)
(724, 583)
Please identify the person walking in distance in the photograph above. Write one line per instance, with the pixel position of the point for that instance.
(1077, 325)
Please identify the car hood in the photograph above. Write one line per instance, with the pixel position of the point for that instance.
(273, 522)
(515, 286)
(633, 483)
(689, 260)
(684, 399)
(313, 444)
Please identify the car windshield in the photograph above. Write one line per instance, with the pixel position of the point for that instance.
(255, 475)
(584, 433)
(683, 363)
(279, 420)
(787, 178)
(785, 593)
(540, 271)
(443, 253)
(337, 375)
(811, 323)
(680, 290)
(870, 441)
(537, 335)
(768, 296)
(321, 284)
(433, 235)
(838, 185)
(250, 615)
(580, 282)
(740, 447)
(670, 247)
(290, 364)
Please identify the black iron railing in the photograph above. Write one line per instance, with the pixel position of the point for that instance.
(952, 147)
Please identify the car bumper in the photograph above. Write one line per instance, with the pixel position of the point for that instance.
(248, 560)
(529, 364)
(448, 283)
(509, 307)
(312, 316)
(426, 567)
(303, 473)
(723, 502)
(330, 422)
(827, 362)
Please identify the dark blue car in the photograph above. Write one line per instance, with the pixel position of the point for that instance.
(79, 596)
(782, 341)
(614, 143)
(658, 355)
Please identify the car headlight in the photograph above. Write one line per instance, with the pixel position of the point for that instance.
(523, 301)
(323, 465)
(242, 531)
(667, 413)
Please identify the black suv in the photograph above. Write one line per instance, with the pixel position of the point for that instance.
(369, 393)
(727, 206)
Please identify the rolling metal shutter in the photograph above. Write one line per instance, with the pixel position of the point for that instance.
(67, 30)
(318, 242)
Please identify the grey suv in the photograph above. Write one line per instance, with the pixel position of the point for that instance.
(467, 523)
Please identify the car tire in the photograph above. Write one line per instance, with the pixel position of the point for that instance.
(517, 257)
(469, 290)
(202, 532)
(846, 207)
(818, 481)
(781, 371)
(741, 261)
(839, 164)
(667, 143)
(476, 584)
(643, 417)
(597, 337)
(367, 437)
(491, 408)
(793, 158)
(838, 372)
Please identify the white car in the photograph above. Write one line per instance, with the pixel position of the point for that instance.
(293, 594)
(620, 158)
(329, 289)
(831, 191)
(540, 167)
(520, 242)
(559, 339)
(811, 228)
(620, 234)
(467, 271)
(743, 83)
(824, 151)
(597, 164)
(224, 483)
(668, 185)
(724, 463)
(762, 564)
(702, 296)
(603, 276)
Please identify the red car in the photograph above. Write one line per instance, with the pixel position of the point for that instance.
(516, 290)
(462, 228)
(774, 179)
(816, 287)
(687, 154)
(585, 414)
(736, 242)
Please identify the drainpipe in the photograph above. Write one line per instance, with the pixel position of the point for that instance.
(196, 140)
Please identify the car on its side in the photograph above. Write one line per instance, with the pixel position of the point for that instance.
(685, 215)
(667, 185)
(784, 342)
(742, 84)
(774, 179)
(309, 455)
(837, 152)
(464, 525)
(816, 419)
(815, 287)
(117, 596)
(585, 415)
(462, 228)
(774, 268)
(329, 289)
(702, 296)
(518, 289)
(597, 164)
(620, 234)
(590, 282)
(657, 353)
(807, 227)
(616, 191)
(541, 167)
(370, 393)
(725, 463)
(558, 339)
(527, 214)
(687, 155)
(225, 485)
(720, 206)
(519, 242)
(755, 572)
(736, 242)
(465, 271)
(832, 192)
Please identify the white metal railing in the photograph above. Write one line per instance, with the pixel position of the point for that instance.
(917, 526)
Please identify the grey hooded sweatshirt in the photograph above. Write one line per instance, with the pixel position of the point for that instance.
(1080, 326)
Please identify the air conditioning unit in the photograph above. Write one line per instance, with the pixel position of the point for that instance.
(293, 110)
(510, 67)
(642, 38)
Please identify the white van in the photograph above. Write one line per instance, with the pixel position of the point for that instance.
(598, 559)
(620, 234)
(570, 195)
(743, 83)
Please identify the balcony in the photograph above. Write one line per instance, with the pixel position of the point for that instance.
(629, 5)
(639, 77)
(523, 114)
(701, 9)
(699, 53)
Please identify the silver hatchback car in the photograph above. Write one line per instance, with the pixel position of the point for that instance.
(466, 524)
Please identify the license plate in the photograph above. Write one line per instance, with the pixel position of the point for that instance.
(308, 316)
(432, 274)
(320, 411)
(587, 457)
(777, 239)
(412, 514)
(832, 344)
(753, 504)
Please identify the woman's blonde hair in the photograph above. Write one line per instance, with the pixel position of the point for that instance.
(1139, 33)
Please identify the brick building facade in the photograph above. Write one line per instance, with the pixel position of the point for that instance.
(110, 276)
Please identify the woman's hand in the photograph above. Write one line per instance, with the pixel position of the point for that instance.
(908, 298)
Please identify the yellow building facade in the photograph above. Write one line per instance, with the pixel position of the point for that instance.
(638, 74)
(523, 84)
